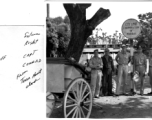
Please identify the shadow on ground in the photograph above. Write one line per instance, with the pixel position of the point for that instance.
(134, 107)
(140, 107)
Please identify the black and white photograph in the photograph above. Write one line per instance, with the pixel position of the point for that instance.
(99, 59)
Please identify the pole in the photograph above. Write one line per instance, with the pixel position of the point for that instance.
(48, 10)
(131, 47)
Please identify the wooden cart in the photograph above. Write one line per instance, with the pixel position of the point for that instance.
(68, 82)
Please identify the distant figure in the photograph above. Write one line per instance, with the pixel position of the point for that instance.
(96, 65)
(108, 68)
(122, 58)
(140, 65)
(150, 69)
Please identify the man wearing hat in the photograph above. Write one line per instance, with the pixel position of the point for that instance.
(122, 58)
(140, 66)
(108, 67)
(96, 65)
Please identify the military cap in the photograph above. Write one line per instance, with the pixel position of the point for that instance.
(96, 50)
(106, 49)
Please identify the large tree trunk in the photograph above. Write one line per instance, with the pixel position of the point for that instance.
(81, 28)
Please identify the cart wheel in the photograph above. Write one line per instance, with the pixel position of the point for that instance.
(78, 99)
(50, 104)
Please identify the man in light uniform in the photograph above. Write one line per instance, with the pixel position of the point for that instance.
(96, 65)
(140, 65)
(122, 58)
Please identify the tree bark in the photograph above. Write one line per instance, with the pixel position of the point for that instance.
(81, 28)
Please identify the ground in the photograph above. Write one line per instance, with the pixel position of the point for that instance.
(123, 107)
(120, 107)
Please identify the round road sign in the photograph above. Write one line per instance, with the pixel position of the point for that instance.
(131, 28)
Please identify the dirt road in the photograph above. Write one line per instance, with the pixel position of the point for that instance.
(119, 107)
(124, 107)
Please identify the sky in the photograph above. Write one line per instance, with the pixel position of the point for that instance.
(120, 11)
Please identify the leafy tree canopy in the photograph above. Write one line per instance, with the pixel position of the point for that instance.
(145, 38)
(58, 36)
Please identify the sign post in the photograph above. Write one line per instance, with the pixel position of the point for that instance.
(131, 29)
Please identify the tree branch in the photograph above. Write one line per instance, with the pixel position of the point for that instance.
(99, 17)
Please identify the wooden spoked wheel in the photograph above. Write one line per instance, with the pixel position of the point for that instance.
(77, 99)
(50, 104)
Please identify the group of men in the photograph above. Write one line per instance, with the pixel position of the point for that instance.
(102, 70)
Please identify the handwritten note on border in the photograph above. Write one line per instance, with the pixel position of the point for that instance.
(21, 57)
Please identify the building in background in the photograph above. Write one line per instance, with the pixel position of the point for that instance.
(88, 51)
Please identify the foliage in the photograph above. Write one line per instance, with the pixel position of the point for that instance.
(58, 36)
(66, 20)
(145, 38)
(58, 20)
(103, 38)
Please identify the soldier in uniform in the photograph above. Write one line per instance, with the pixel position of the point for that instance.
(96, 65)
(150, 69)
(122, 58)
(108, 68)
(140, 66)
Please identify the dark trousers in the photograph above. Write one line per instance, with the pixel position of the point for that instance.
(107, 83)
